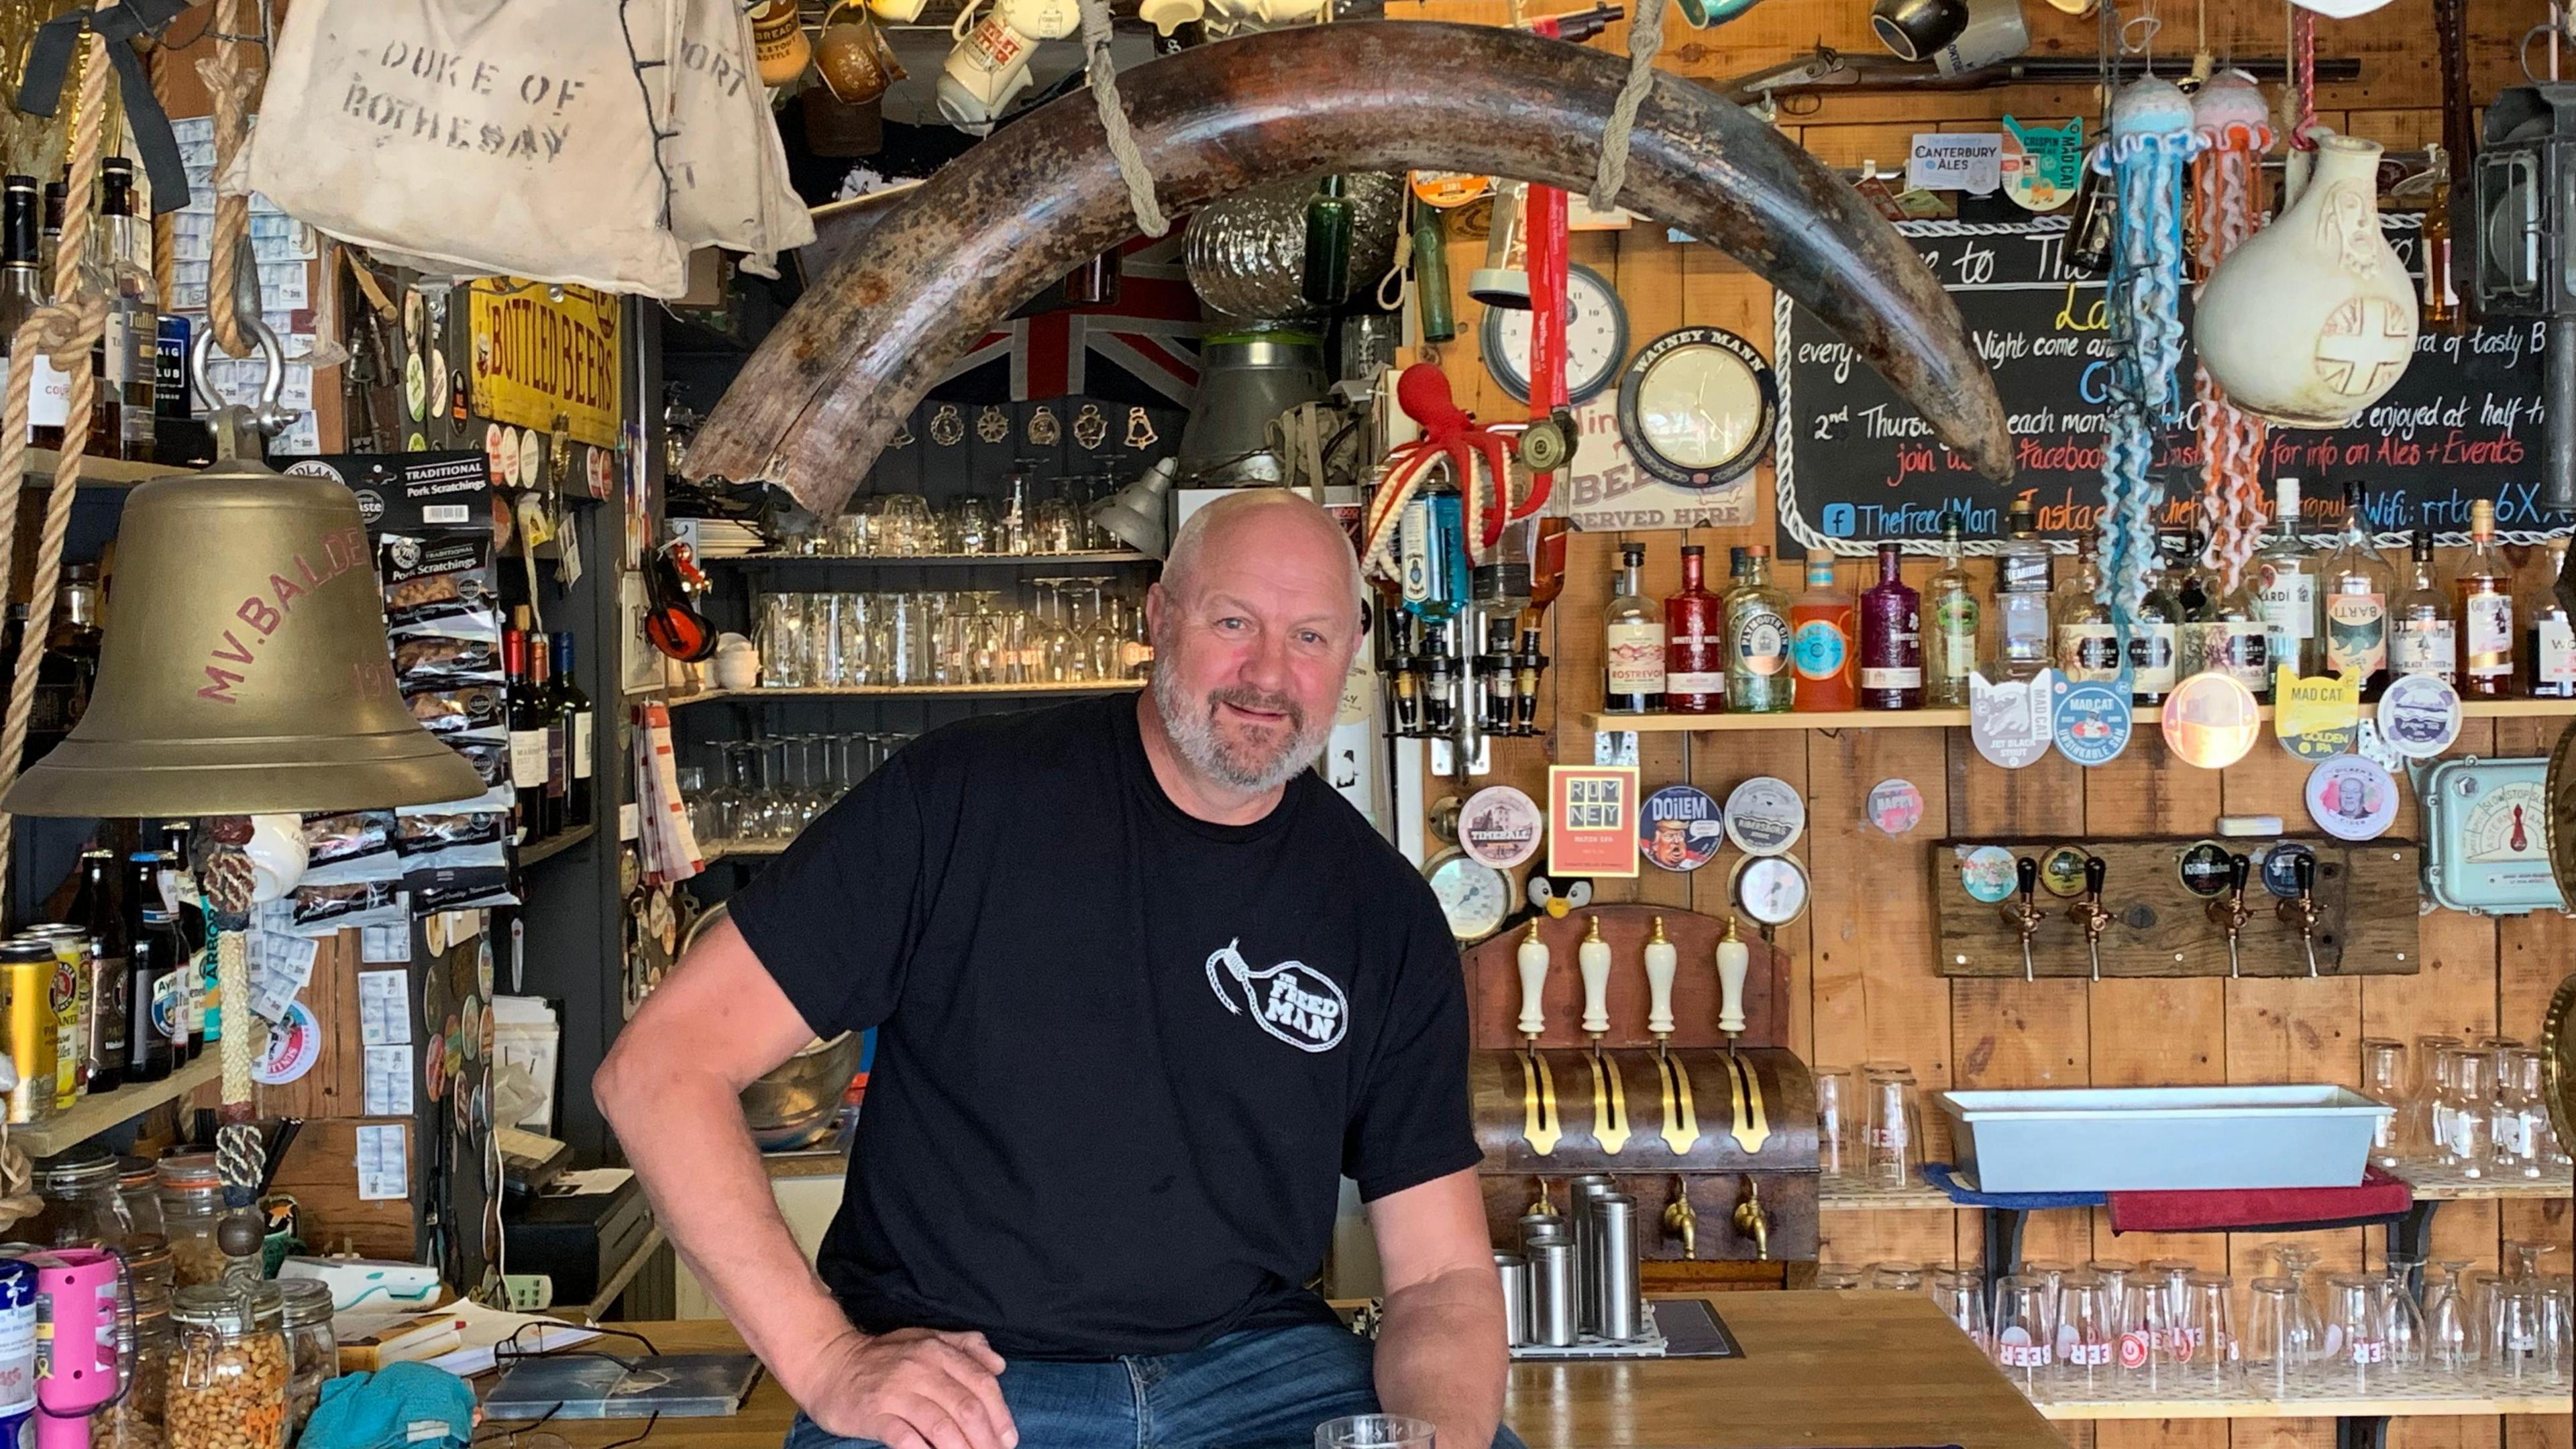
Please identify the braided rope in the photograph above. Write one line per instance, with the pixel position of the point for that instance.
(2303, 76)
(231, 84)
(1645, 41)
(63, 332)
(2231, 440)
(1103, 77)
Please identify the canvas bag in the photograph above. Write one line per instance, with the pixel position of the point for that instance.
(485, 135)
(727, 166)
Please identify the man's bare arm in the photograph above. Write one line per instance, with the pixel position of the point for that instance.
(671, 1088)
(1441, 1353)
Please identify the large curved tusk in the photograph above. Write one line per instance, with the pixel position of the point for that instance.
(938, 269)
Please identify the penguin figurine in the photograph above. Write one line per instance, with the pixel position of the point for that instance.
(1552, 896)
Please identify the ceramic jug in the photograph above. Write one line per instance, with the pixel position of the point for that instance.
(2313, 318)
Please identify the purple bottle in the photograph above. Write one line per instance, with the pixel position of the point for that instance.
(1891, 638)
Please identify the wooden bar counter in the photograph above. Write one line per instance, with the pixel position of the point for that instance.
(1829, 1370)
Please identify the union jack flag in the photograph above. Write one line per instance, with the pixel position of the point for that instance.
(1141, 349)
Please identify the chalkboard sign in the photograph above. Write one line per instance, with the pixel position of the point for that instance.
(1855, 464)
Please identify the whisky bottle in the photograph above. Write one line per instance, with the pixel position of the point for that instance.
(2357, 585)
(2423, 637)
(1633, 641)
(2482, 595)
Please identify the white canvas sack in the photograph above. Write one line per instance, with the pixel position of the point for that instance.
(727, 166)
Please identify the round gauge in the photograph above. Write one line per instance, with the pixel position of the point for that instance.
(1772, 889)
(1696, 407)
(1596, 338)
(1475, 897)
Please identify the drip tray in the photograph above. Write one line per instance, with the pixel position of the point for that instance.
(1680, 1328)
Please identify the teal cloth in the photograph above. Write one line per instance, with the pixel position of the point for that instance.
(390, 1409)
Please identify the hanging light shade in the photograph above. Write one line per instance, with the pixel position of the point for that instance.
(243, 667)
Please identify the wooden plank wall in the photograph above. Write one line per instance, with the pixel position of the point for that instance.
(1861, 962)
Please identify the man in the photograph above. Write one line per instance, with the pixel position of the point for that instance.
(1146, 989)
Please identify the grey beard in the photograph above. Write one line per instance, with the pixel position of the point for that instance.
(1191, 724)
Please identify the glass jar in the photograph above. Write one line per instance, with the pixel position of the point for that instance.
(148, 1263)
(313, 1351)
(134, 1420)
(81, 1208)
(192, 1203)
(2466, 1109)
(228, 1368)
(138, 1186)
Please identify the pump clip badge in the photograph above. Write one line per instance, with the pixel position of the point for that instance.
(2092, 721)
(2041, 164)
(2011, 723)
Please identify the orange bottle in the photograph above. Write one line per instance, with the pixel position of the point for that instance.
(1824, 631)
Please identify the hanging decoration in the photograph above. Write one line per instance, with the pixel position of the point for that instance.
(1478, 459)
(2151, 139)
(2235, 128)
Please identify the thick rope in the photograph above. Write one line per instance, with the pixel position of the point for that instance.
(1645, 42)
(231, 84)
(1113, 120)
(2303, 77)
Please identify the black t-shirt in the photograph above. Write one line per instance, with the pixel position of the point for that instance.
(1125, 1054)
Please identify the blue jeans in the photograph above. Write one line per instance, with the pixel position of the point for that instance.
(1259, 1389)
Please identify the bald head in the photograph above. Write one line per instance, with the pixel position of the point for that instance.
(1266, 524)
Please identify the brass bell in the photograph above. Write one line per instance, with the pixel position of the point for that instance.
(243, 666)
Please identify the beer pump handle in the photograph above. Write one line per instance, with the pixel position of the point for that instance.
(1533, 958)
(1734, 960)
(1661, 959)
(1593, 957)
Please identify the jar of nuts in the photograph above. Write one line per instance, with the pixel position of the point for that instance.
(228, 1368)
(80, 1206)
(147, 1259)
(138, 1187)
(192, 1202)
(312, 1350)
(134, 1420)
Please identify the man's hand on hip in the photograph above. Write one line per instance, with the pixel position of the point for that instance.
(914, 1388)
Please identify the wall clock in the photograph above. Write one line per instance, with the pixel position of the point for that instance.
(1696, 407)
(1596, 338)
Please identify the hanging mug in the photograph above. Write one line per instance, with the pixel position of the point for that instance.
(852, 55)
(778, 43)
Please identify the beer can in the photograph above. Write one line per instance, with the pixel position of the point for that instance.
(75, 1006)
(29, 1031)
(1515, 1273)
(17, 1350)
(1614, 1277)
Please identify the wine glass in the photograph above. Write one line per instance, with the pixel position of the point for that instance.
(2294, 1262)
(2453, 1339)
(2276, 1347)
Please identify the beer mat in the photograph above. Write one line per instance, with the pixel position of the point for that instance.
(1963, 1191)
(1684, 1328)
(2377, 1198)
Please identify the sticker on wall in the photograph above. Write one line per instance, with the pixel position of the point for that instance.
(1500, 827)
(2091, 720)
(2011, 723)
(2316, 717)
(2351, 798)
(532, 459)
(2211, 720)
(2368, 743)
(1590, 829)
(1986, 872)
(492, 450)
(294, 1045)
(511, 457)
(2062, 870)
(2205, 869)
(2419, 716)
(1764, 816)
(1895, 806)
(2041, 164)
(1680, 828)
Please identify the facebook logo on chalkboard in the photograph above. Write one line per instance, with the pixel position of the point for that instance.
(1839, 520)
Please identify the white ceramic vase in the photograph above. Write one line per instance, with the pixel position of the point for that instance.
(2312, 319)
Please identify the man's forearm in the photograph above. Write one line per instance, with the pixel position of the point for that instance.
(1441, 1356)
(689, 1145)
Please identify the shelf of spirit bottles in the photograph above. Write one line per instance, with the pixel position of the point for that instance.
(96, 472)
(87, 1117)
(1920, 719)
(938, 560)
(1069, 688)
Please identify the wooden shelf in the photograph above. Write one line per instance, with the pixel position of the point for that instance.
(1851, 1194)
(554, 845)
(937, 560)
(95, 472)
(90, 1116)
(2482, 1393)
(919, 691)
(1926, 719)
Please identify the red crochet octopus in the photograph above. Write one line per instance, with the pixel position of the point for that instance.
(1449, 433)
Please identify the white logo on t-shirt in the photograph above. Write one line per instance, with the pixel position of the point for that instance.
(1292, 1000)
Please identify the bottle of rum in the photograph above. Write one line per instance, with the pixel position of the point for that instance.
(2482, 596)
(2287, 586)
(1891, 638)
(2358, 585)
(2238, 642)
(2553, 646)
(2155, 636)
(132, 340)
(2022, 638)
(2441, 294)
(1758, 676)
(2088, 642)
(2195, 604)
(1633, 639)
(2423, 637)
(1950, 615)
(1694, 641)
(1824, 630)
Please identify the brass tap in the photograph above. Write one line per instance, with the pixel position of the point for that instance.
(2025, 914)
(1752, 1221)
(2302, 910)
(2229, 912)
(2089, 912)
(1679, 1220)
